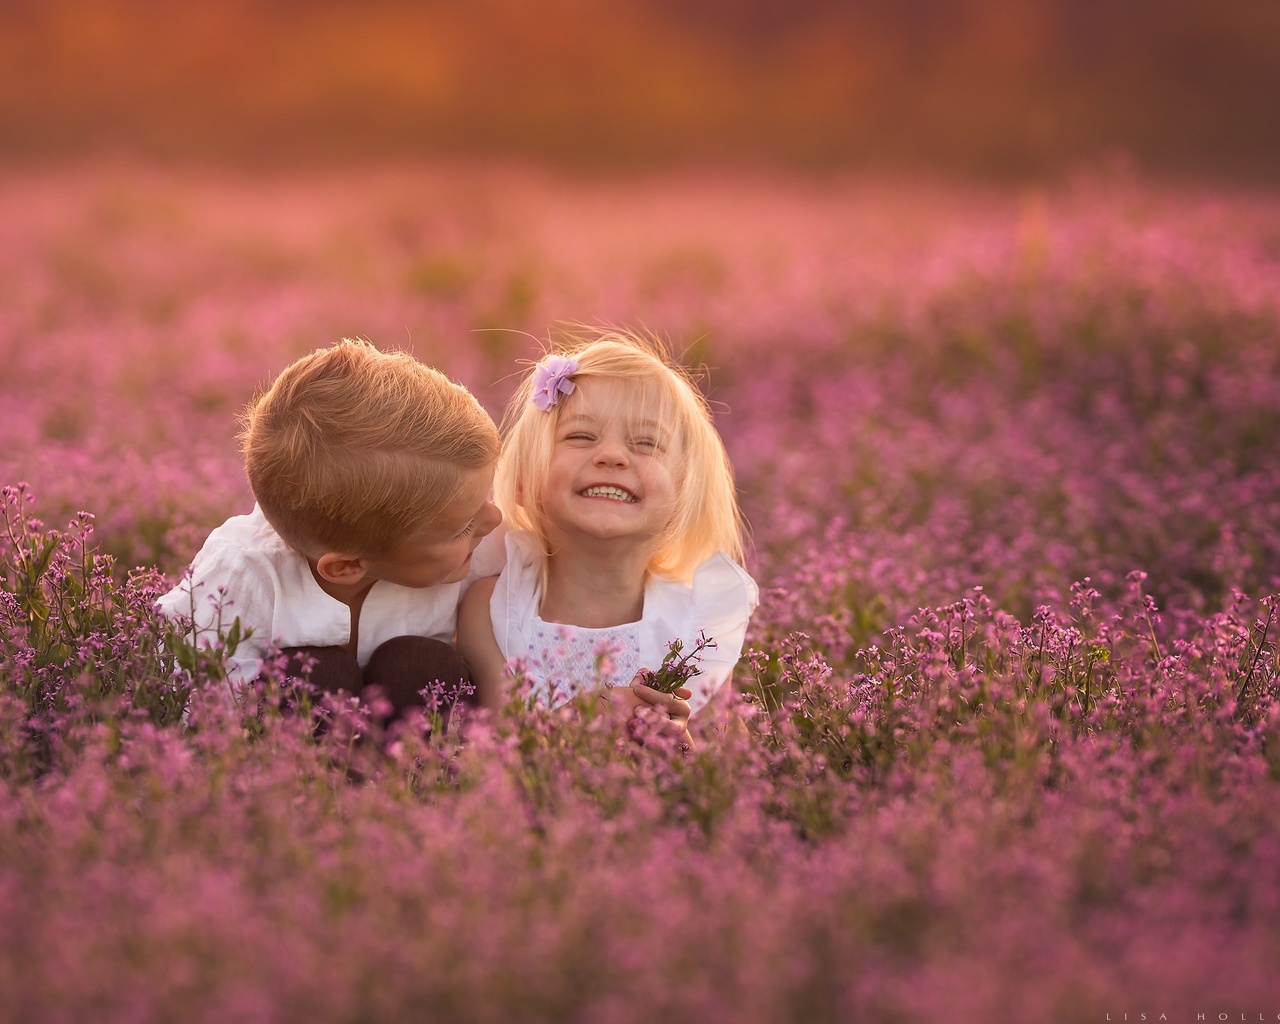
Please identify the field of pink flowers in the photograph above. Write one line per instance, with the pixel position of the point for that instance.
(1012, 700)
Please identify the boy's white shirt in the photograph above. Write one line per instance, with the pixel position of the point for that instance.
(269, 586)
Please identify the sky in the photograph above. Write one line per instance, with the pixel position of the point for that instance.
(997, 87)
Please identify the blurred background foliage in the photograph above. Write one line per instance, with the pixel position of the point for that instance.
(991, 87)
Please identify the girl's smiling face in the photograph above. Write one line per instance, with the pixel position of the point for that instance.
(612, 472)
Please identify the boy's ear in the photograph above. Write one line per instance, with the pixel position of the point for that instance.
(341, 569)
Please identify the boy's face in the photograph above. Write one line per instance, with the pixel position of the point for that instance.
(440, 552)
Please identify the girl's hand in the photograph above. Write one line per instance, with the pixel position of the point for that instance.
(667, 712)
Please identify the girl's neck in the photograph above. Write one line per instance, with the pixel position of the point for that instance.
(594, 592)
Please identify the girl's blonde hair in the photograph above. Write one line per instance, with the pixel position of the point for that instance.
(353, 450)
(706, 517)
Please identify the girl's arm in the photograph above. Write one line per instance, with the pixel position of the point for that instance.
(477, 645)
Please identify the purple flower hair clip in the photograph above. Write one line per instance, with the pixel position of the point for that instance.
(551, 380)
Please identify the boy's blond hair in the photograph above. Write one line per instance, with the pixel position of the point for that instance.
(352, 450)
(706, 517)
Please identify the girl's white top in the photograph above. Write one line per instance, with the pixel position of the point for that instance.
(559, 661)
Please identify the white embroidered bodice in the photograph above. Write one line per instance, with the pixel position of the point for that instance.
(558, 661)
(563, 661)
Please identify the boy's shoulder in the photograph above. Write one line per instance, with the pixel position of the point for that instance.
(248, 534)
(243, 559)
(245, 545)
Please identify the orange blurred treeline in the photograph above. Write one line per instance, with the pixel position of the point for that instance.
(1004, 85)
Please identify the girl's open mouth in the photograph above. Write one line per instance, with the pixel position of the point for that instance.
(609, 491)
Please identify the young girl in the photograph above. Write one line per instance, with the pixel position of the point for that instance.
(625, 536)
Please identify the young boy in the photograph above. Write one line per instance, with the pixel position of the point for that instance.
(372, 475)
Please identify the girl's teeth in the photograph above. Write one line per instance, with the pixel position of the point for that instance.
(608, 492)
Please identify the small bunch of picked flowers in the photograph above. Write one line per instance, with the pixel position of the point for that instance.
(677, 667)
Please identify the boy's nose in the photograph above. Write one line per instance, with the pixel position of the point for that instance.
(488, 520)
